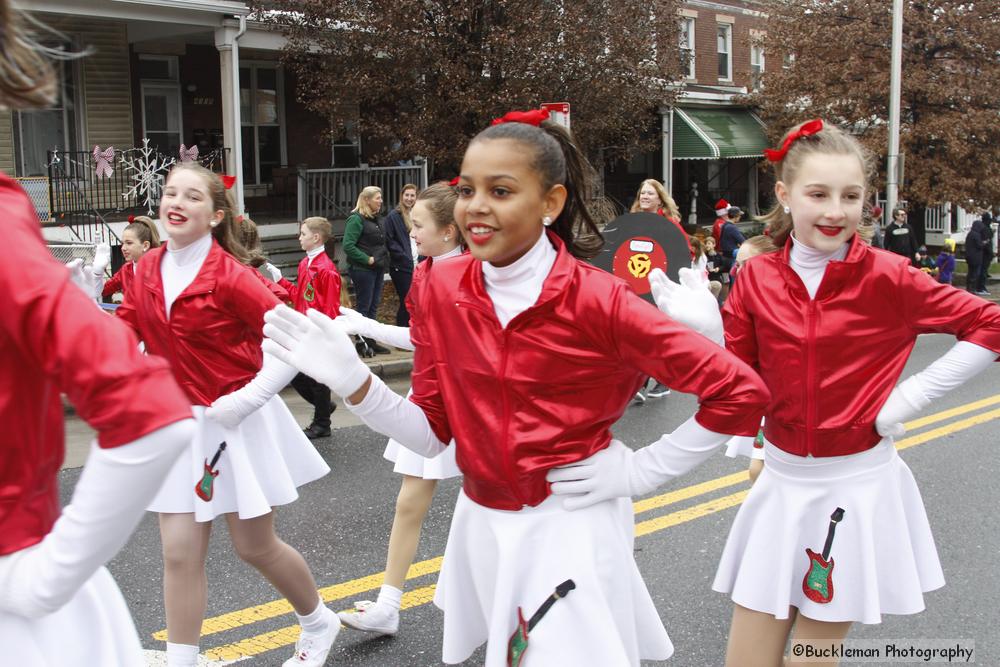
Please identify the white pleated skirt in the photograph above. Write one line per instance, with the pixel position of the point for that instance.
(883, 553)
(267, 458)
(442, 466)
(93, 628)
(497, 561)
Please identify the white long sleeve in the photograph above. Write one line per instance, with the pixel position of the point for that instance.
(388, 413)
(959, 364)
(109, 500)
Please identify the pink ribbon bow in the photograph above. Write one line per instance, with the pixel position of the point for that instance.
(530, 117)
(103, 160)
(189, 154)
(806, 130)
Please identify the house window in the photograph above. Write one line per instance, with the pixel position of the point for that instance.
(39, 131)
(788, 60)
(347, 146)
(687, 46)
(725, 49)
(756, 65)
(161, 103)
(262, 116)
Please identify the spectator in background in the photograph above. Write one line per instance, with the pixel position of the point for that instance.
(367, 255)
(945, 262)
(878, 241)
(730, 238)
(990, 227)
(397, 237)
(977, 251)
(899, 236)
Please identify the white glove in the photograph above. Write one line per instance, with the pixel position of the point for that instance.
(83, 277)
(356, 323)
(273, 271)
(231, 409)
(109, 500)
(102, 257)
(690, 302)
(317, 346)
(618, 471)
(906, 400)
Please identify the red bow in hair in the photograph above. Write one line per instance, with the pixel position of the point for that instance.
(238, 219)
(228, 181)
(807, 130)
(131, 219)
(531, 117)
(453, 182)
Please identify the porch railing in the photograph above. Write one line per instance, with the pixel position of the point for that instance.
(83, 192)
(333, 193)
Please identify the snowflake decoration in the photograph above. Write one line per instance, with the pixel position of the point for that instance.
(147, 169)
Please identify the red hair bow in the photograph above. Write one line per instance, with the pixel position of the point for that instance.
(453, 182)
(131, 219)
(531, 117)
(806, 130)
(228, 181)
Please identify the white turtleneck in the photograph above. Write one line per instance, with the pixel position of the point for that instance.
(314, 253)
(516, 287)
(810, 263)
(180, 267)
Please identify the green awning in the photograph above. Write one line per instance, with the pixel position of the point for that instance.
(713, 134)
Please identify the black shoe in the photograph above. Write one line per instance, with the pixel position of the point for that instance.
(364, 351)
(315, 431)
(376, 348)
(658, 390)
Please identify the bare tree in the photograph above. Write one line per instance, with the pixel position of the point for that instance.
(424, 76)
(836, 66)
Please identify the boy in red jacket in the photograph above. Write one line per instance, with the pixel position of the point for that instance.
(318, 287)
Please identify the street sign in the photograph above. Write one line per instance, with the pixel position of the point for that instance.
(558, 112)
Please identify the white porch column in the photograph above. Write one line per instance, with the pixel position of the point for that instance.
(229, 60)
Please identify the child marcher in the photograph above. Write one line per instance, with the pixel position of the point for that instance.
(436, 235)
(541, 373)
(318, 287)
(201, 308)
(59, 606)
(945, 262)
(137, 238)
(831, 469)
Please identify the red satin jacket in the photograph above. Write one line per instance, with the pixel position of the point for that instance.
(54, 339)
(831, 362)
(317, 286)
(120, 281)
(545, 390)
(212, 339)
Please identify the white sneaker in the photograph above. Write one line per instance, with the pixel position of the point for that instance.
(372, 617)
(312, 650)
(640, 398)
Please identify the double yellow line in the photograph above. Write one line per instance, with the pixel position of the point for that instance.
(287, 636)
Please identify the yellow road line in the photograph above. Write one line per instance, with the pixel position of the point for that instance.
(370, 582)
(269, 641)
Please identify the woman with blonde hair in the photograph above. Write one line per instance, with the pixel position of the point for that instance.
(367, 254)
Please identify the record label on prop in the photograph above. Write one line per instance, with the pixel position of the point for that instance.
(637, 243)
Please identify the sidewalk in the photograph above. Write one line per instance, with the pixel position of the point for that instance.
(393, 368)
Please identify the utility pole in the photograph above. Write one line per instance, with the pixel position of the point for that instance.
(892, 168)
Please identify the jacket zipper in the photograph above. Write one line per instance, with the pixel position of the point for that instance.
(811, 380)
(504, 400)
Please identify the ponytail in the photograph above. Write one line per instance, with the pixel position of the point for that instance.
(558, 161)
(145, 230)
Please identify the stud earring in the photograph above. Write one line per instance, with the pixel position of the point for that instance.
(787, 210)
(546, 221)
(212, 224)
(446, 238)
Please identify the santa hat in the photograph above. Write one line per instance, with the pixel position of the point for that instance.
(721, 208)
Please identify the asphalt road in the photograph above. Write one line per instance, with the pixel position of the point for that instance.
(341, 525)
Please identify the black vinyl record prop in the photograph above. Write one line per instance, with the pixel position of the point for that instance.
(637, 243)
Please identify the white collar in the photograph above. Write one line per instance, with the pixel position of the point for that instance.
(191, 253)
(454, 252)
(535, 260)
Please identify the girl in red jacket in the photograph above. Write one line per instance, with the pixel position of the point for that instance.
(525, 356)
(58, 604)
(829, 323)
(196, 304)
(436, 236)
(138, 237)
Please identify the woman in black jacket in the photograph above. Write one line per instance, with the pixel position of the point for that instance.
(397, 237)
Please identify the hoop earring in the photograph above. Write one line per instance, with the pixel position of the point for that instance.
(546, 221)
